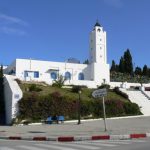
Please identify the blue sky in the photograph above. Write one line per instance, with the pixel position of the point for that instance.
(59, 29)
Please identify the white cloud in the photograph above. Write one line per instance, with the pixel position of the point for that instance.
(9, 30)
(12, 25)
(114, 3)
(12, 20)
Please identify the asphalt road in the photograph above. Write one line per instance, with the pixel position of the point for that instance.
(86, 128)
(139, 144)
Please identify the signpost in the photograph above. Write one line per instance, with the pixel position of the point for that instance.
(101, 93)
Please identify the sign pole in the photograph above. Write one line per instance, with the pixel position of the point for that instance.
(101, 93)
(104, 113)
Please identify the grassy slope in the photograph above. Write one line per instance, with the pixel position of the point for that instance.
(85, 95)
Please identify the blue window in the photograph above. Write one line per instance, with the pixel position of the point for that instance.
(68, 76)
(81, 76)
(54, 75)
(36, 74)
(25, 73)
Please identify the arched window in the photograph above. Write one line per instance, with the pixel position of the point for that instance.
(54, 75)
(67, 75)
(81, 76)
(98, 30)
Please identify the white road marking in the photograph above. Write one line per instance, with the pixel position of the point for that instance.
(55, 147)
(80, 145)
(6, 148)
(103, 144)
(29, 147)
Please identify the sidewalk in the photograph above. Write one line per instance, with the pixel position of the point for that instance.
(116, 128)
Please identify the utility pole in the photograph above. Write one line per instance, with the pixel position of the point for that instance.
(79, 107)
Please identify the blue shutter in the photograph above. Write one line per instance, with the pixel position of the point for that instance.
(25, 73)
(68, 76)
(36, 74)
(54, 75)
(81, 76)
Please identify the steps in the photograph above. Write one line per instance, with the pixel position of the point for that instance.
(139, 98)
(147, 93)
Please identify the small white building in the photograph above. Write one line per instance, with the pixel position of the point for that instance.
(92, 75)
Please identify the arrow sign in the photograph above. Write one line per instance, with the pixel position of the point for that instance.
(99, 93)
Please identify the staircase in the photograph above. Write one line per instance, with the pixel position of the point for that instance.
(139, 98)
(147, 93)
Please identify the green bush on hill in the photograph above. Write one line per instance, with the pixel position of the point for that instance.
(107, 86)
(132, 109)
(116, 89)
(35, 88)
(35, 106)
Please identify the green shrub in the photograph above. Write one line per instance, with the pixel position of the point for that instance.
(18, 81)
(55, 85)
(132, 109)
(35, 107)
(114, 108)
(117, 91)
(35, 88)
(86, 108)
(97, 108)
(107, 86)
(59, 82)
(76, 89)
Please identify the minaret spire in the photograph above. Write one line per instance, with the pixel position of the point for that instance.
(97, 24)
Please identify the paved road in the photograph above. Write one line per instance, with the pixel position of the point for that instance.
(83, 145)
(114, 126)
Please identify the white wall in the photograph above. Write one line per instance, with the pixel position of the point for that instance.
(89, 84)
(44, 69)
(100, 72)
(115, 84)
(127, 85)
(13, 94)
(95, 72)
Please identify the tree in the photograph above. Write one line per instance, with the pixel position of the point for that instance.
(1, 72)
(145, 70)
(148, 72)
(138, 71)
(1, 91)
(121, 65)
(128, 65)
(117, 68)
(86, 61)
(2, 102)
(113, 66)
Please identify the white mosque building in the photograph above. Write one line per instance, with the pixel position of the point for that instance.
(91, 75)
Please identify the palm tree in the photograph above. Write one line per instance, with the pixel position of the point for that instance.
(60, 81)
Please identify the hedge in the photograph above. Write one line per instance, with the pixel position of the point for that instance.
(37, 107)
(116, 89)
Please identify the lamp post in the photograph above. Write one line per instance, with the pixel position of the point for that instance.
(79, 107)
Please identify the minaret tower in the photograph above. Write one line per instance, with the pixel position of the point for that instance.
(99, 69)
(98, 45)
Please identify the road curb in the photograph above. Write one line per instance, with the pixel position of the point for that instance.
(79, 138)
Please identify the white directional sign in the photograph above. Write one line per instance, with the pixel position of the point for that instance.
(99, 93)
